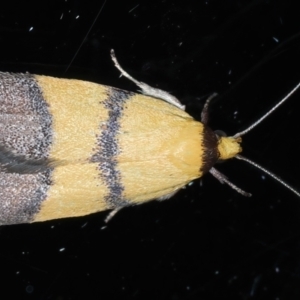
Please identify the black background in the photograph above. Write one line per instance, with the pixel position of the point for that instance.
(208, 241)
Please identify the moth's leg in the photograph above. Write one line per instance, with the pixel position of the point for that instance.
(223, 179)
(112, 214)
(147, 89)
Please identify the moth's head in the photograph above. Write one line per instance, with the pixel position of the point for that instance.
(228, 147)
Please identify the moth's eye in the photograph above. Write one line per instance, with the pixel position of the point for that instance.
(220, 133)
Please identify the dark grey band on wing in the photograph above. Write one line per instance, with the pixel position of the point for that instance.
(25, 141)
(108, 148)
(210, 146)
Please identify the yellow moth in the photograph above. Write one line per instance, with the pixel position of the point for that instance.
(70, 148)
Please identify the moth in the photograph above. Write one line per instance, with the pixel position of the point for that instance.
(70, 148)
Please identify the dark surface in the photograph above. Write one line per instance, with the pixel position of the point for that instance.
(208, 241)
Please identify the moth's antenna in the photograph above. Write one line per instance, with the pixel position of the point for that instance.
(238, 135)
(268, 113)
(238, 156)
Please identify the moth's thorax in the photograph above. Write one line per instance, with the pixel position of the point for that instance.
(210, 154)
